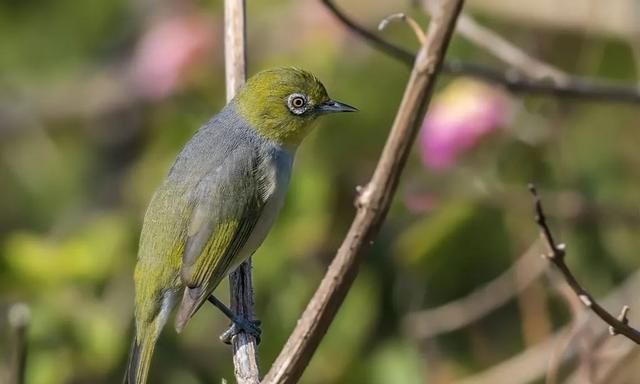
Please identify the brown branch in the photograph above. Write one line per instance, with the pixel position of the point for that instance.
(556, 256)
(479, 303)
(19, 318)
(372, 203)
(235, 55)
(516, 82)
(245, 355)
(377, 42)
(408, 20)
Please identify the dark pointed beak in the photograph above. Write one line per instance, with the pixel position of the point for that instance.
(332, 106)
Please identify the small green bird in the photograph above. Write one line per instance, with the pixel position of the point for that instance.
(218, 201)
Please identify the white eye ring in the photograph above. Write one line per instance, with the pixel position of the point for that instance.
(297, 103)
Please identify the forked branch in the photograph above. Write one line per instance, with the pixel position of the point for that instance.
(556, 255)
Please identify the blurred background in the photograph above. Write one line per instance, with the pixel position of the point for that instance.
(97, 98)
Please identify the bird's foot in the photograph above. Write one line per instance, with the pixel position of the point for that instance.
(242, 324)
(238, 323)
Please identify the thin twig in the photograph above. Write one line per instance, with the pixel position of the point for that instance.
(19, 318)
(479, 303)
(417, 30)
(372, 203)
(556, 256)
(377, 42)
(245, 355)
(515, 82)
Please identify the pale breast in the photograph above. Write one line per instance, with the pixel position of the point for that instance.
(275, 172)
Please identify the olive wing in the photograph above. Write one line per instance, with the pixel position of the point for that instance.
(227, 205)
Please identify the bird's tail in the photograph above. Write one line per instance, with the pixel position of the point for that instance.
(140, 355)
(192, 300)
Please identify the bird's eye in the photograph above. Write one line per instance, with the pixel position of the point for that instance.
(297, 103)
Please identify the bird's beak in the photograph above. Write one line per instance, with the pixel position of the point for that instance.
(332, 106)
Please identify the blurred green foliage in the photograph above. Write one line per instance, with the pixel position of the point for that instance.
(75, 179)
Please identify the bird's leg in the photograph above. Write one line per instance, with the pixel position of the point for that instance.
(238, 323)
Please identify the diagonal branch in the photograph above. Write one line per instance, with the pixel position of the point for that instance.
(245, 355)
(515, 81)
(556, 256)
(372, 203)
(377, 42)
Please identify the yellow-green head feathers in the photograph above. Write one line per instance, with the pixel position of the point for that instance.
(282, 103)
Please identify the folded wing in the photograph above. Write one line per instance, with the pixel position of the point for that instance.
(227, 205)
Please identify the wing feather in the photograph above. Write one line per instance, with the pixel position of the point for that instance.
(227, 206)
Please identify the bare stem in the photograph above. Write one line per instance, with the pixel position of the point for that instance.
(372, 203)
(556, 256)
(417, 30)
(245, 355)
(19, 319)
(235, 56)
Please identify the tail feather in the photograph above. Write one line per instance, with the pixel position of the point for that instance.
(148, 329)
(192, 300)
(132, 363)
(139, 360)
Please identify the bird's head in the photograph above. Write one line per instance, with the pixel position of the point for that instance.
(282, 103)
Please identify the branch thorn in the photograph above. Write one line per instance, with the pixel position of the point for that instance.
(623, 319)
(586, 300)
(411, 22)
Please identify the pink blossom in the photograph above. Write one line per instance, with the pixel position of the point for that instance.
(167, 50)
(458, 118)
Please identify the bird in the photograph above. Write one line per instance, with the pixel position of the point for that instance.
(218, 201)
